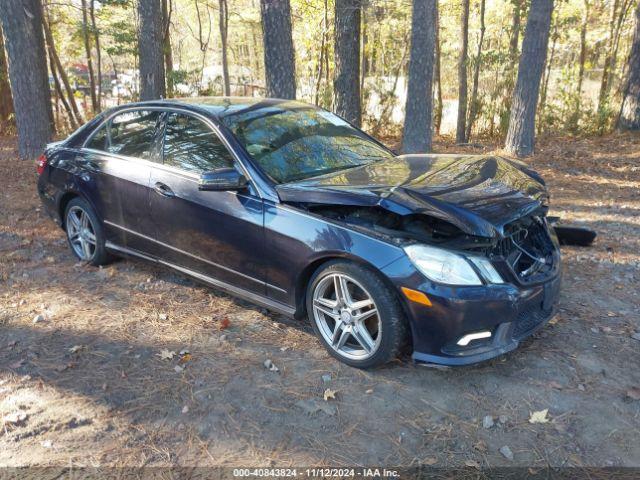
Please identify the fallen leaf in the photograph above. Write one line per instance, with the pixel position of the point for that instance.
(185, 409)
(225, 323)
(480, 446)
(17, 364)
(62, 368)
(77, 348)
(178, 368)
(430, 461)
(329, 394)
(369, 390)
(15, 418)
(268, 364)
(166, 354)
(539, 417)
(634, 393)
(472, 464)
(556, 385)
(185, 358)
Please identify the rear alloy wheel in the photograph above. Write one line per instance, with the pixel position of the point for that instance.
(84, 233)
(356, 315)
(81, 234)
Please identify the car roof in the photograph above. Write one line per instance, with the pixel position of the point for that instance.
(221, 107)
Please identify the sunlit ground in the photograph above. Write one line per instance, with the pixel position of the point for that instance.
(90, 384)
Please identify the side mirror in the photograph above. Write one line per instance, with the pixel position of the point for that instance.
(222, 179)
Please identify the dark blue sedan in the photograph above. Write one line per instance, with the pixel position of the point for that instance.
(289, 206)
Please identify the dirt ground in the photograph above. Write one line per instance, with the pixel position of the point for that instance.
(91, 384)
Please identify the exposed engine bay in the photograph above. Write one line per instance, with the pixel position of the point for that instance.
(484, 205)
(526, 244)
(402, 227)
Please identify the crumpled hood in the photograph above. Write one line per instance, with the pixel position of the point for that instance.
(478, 194)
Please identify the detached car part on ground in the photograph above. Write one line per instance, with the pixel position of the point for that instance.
(292, 208)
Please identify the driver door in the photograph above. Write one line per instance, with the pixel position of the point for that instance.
(219, 234)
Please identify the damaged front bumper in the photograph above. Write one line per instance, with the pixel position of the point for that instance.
(454, 329)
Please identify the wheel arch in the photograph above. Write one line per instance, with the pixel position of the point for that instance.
(69, 195)
(302, 281)
(63, 202)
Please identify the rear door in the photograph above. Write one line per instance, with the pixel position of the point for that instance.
(122, 151)
(218, 234)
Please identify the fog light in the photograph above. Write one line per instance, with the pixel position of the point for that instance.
(464, 341)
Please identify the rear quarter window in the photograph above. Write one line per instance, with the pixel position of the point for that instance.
(132, 133)
(99, 139)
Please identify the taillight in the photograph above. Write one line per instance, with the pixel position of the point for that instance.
(41, 163)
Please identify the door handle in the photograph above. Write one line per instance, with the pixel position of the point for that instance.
(164, 190)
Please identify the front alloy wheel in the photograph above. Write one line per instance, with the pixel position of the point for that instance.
(347, 316)
(355, 314)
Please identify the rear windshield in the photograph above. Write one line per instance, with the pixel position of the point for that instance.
(293, 142)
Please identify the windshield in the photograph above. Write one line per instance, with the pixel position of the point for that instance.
(293, 142)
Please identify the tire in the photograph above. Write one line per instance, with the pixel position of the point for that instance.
(387, 326)
(92, 233)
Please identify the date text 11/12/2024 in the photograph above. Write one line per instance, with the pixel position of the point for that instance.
(316, 472)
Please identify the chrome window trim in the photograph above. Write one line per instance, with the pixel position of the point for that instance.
(232, 289)
(217, 265)
(191, 177)
(207, 121)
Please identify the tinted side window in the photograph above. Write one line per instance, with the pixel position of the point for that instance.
(99, 139)
(191, 145)
(132, 133)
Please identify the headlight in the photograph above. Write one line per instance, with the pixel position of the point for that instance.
(442, 266)
(486, 269)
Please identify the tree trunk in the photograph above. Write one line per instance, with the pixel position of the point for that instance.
(279, 57)
(60, 69)
(87, 49)
(167, 10)
(59, 94)
(603, 96)
(521, 134)
(6, 102)
(96, 39)
(437, 116)
(630, 112)
(546, 72)
(346, 85)
(417, 134)
(462, 74)
(150, 51)
(575, 117)
(224, 29)
(27, 59)
(507, 81)
(622, 15)
(323, 50)
(364, 35)
(515, 34)
(475, 106)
